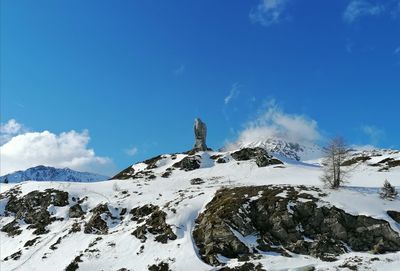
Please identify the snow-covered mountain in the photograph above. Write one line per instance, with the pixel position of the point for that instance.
(243, 209)
(283, 148)
(45, 173)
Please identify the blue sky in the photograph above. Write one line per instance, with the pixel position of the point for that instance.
(132, 75)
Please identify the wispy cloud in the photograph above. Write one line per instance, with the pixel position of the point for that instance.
(9, 130)
(233, 93)
(131, 151)
(361, 8)
(268, 12)
(179, 70)
(68, 149)
(375, 134)
(273, 122)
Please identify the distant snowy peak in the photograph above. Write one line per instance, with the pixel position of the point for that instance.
(44, 173)
(374, 152)
(290, 150)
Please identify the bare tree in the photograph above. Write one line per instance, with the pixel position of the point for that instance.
(336, 153)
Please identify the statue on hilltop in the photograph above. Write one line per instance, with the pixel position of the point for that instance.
(200, 134)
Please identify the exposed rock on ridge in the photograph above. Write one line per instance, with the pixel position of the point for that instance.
(285, 220)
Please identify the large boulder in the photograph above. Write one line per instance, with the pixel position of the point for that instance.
(188, 163)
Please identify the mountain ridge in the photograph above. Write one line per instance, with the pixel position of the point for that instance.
(47, 173)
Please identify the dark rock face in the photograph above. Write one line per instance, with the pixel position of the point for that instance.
(152, 162)
(395, 215)
(32, 209)
(30, 243)
(386, 164)
(188, 163)
(355, 160)
(152, 220)
(96, 224)
(159, 267)
(74, 265)
(15, 256)
(129, 173)
(261, 156)
(76, 211)
(125, 174)
(285, 219)
(167, 173)
(196, 181)
(12, 228)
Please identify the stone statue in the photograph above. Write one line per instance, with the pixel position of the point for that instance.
(200, 134)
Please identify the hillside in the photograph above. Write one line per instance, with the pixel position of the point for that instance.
(201, 211)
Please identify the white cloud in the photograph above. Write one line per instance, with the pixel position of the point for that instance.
(375, 134)
(273, 122)
(233, 93)
(8, 130)
(132, 151)
(268, 12)
(361, 8)
(179, 70)
(68, 149)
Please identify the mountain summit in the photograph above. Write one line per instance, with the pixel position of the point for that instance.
(282, 148)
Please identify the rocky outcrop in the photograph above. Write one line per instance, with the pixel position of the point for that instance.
(395, 215)
(151, 220)
(188, 163)
(32, 209)
(285, 220)
(152, 162)
(124, 174)
(97, 224)
(76, 211)
(260, 155)
(355, 160)
(159, 267)
(196, 181)
(386, 164)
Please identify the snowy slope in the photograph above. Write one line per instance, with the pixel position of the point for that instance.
(44, 173)
(182, 202)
